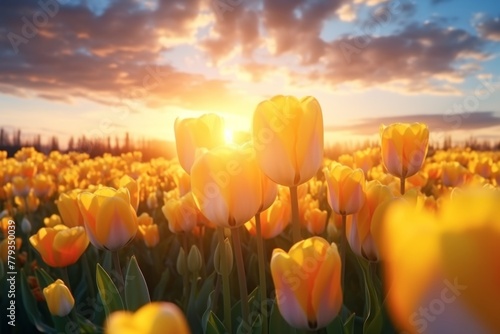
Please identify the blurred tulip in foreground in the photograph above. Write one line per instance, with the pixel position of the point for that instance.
(441, 267)
(307, 281)
(152, 318)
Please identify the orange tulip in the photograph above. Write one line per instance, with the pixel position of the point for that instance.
(60, 246)
(191, 134)
(152, 318)
(42, 186)
(346, 188)
(226, 183)
(307, 281)
(404, 148)
(52, 221)
(288, 138)
(454, 174)
(315, 220)
(109, 218)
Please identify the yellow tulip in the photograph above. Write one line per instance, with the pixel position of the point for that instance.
(182, 214)
(145, 219)
(307, 282)
(60, 246)
(358, 230)
(150, 235)
(441, 267)
(273, 220)
(404, 148)
(59, 299)
(133, 189)
(454, 174)
(152, 318)
(288, 138)
(226, 185)
(67, 204)
(315, 220)
(52, 221)
(191, 134)
(31, 200)
(346, 188)
(109, 218)
(20, 186)
(42, 186)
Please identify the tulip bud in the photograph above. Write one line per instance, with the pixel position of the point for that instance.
(229, 257)
(194, 260)
(181, 262)
(59, 298)
(25, 226)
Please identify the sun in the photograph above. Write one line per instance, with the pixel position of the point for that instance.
(229, 136)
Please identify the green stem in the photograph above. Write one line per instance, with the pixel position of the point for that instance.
(262, 273)
(88, 277)
(226, 289)
(240, 266)
(185, 282)
(116, 263)
(343, 245)
(65, 277)
(295, 215)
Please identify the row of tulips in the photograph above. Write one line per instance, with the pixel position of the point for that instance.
(366, 243)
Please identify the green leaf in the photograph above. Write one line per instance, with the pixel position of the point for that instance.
(214, 325)
(30, 306)
(206, 289)
(349, 324)
(108, 292)
(373, 314)
(335, 327)
(136, 288)
(43, 278)
(255, 328)
(160, 287)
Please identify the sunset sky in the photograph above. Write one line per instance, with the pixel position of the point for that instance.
(106, 67)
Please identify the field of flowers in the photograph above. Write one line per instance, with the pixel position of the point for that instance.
(266, 236)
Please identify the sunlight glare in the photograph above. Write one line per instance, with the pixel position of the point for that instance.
(228, 136)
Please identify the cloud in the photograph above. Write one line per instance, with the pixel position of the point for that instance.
(106, 58)
(436, 123)
(420, 58)
(489, 27)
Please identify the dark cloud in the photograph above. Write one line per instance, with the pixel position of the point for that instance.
(105, 58)
(489, 27)
(421, 57)
(436, 123)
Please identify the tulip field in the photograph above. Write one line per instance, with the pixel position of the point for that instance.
(265, 236)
